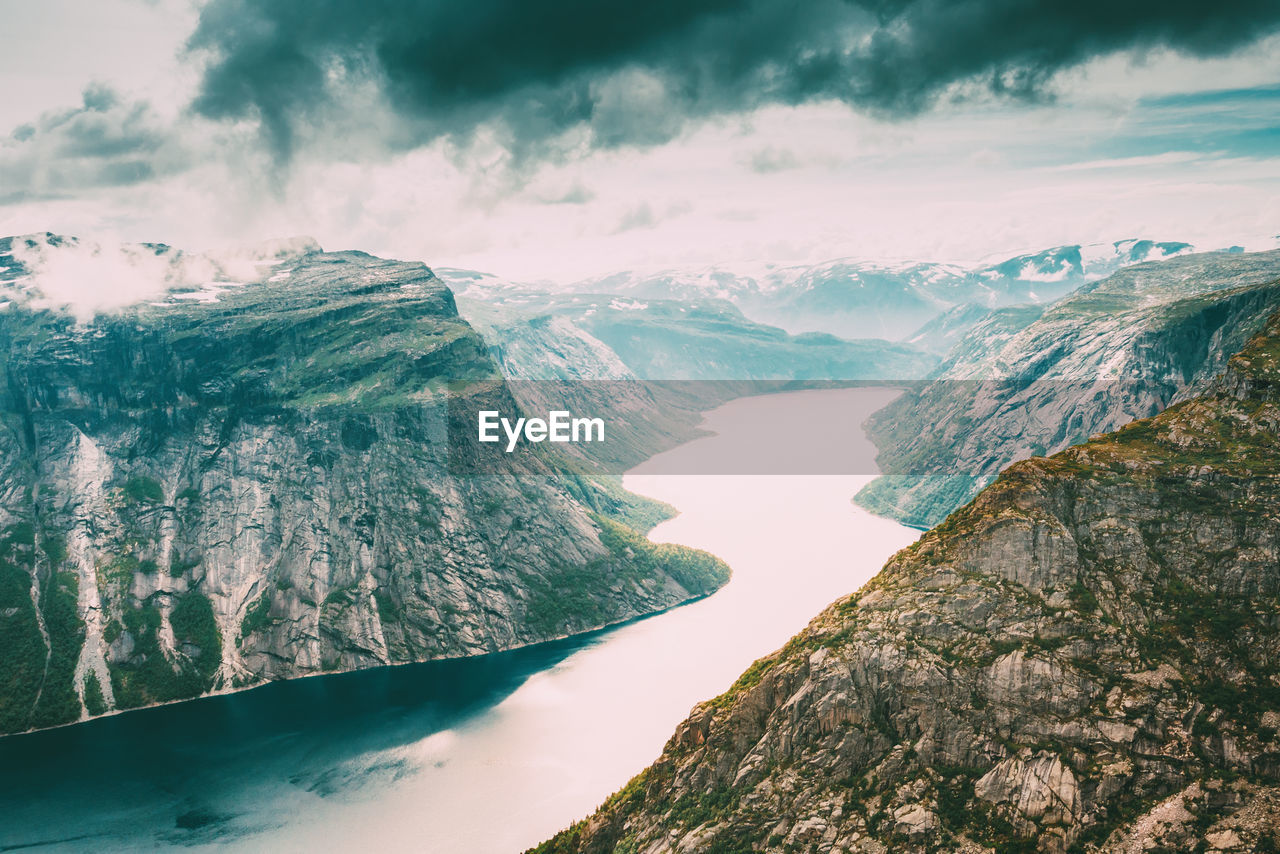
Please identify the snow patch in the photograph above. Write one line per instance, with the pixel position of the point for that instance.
(1031, 272)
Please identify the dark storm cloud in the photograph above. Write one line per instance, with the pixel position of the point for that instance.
(635, 73)
(103, 142)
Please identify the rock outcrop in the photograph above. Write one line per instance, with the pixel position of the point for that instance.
(1086, 657)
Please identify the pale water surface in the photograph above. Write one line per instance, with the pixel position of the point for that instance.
(488, 755)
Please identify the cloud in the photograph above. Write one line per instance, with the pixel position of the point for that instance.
(640, 216)
(104, 142)
(550, 78)
(1167, 158)
(772, 159)
(87, 278)
(576, 194)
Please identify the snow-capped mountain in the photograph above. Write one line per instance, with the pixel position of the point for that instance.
(855, 298)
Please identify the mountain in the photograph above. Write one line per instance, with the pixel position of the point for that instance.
(941, 334)
(604, 336)
(1031, 380)
(1083, 658)
(863, 299)
(229, 482)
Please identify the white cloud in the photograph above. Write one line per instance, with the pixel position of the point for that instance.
(1169, 158)
(87, 278)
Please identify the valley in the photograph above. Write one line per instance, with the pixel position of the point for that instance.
(263, 493)
(423, 751)
(1082, 658)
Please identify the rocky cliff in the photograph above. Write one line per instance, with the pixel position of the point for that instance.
(1084, 658)
(1030, 380)
(232, 482)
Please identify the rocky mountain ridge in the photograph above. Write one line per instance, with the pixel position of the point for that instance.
(1032, 380)
(1086, 657)
(230, 482)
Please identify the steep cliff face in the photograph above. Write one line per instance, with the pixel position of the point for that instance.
(236, 483)
(1084, 658)
(1029, 381)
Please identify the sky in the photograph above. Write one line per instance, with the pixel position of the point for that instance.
(570, 138)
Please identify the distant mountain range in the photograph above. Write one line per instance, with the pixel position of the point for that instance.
(540, 335)
(657, 365)
(872, 299)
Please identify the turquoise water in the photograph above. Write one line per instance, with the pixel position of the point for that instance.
(225, 769)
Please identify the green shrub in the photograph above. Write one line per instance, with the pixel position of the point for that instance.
(257, 616)
(112, 632)
(22, 664)
(388, 610)
(141, 489)
(94, 703)
(59, 702)
(195, 625)
(152, 677)
(179, 566)
(1085, 600)
(54, 546)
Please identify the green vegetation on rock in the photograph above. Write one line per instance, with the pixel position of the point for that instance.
(23, 662)
(565, 601)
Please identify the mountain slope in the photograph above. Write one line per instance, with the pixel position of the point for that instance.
(233, 483)
(1086, 657)
(1031, 380)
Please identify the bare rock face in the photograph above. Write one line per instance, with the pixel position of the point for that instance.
(1084, 658)
(240, 482)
